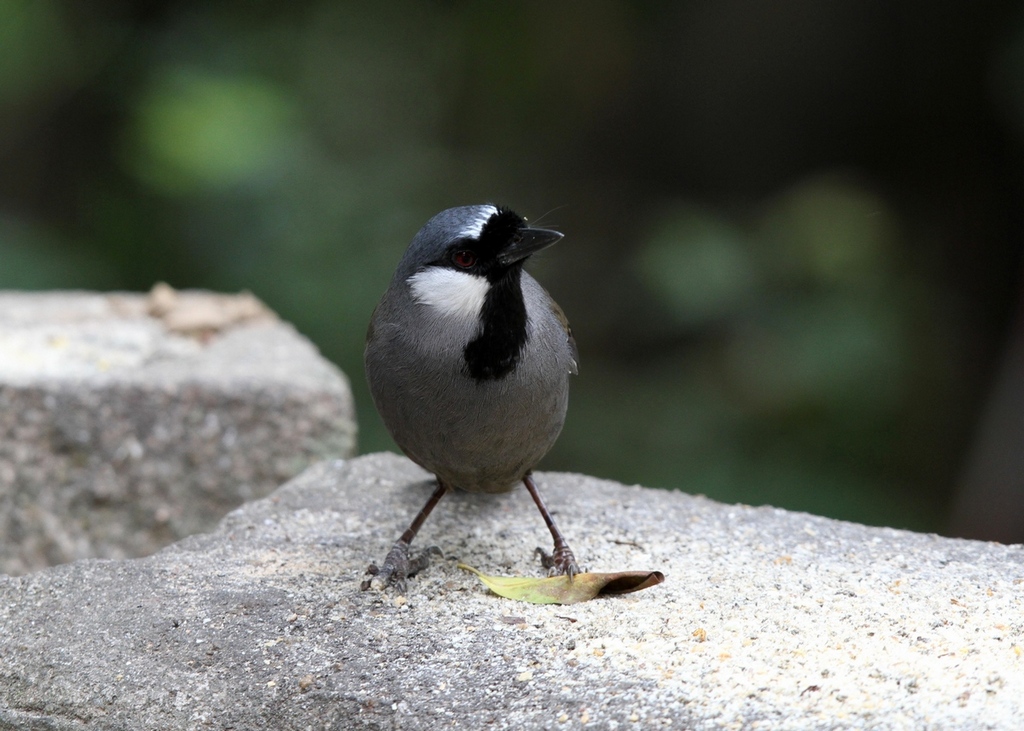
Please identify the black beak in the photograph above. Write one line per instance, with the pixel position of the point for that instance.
(527, 241)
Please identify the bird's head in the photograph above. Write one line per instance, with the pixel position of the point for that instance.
(461, 253)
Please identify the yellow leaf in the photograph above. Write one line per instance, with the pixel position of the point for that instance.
(563, 590)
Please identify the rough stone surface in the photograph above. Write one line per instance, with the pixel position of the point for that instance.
(129, 421)
(767, 620)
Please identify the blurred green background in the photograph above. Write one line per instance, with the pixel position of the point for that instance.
(793, 228)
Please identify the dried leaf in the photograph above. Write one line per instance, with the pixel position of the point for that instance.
(197, 312)
(562, 590)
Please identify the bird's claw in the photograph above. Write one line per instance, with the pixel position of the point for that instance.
(560, 562)
(397, 567)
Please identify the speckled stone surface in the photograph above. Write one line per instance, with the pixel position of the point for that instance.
(767, 620)
(130, 421)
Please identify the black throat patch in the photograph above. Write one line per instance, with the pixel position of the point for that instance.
(495, 352)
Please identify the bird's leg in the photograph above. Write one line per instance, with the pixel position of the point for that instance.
(561, 560)
(397, 564)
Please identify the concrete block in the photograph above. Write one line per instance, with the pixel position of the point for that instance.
(130, 421)
(767, 620)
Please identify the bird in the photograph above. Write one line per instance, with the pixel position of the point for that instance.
(468, 360)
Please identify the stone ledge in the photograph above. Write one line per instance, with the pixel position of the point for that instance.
(130, 421)
(768, 619)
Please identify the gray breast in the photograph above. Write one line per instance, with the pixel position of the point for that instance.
(481, 436)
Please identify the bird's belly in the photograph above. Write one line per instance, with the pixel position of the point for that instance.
(480, 437)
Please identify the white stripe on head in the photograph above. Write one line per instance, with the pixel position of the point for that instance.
(450, 292)
(474, 228)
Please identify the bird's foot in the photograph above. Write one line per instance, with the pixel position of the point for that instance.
(561, 561)
(397, 567)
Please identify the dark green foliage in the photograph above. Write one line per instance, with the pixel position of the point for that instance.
(790, 250)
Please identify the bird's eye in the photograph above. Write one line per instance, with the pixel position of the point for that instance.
(464, 258)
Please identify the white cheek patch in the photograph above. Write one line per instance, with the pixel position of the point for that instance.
(474, 228)
(451, 293)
